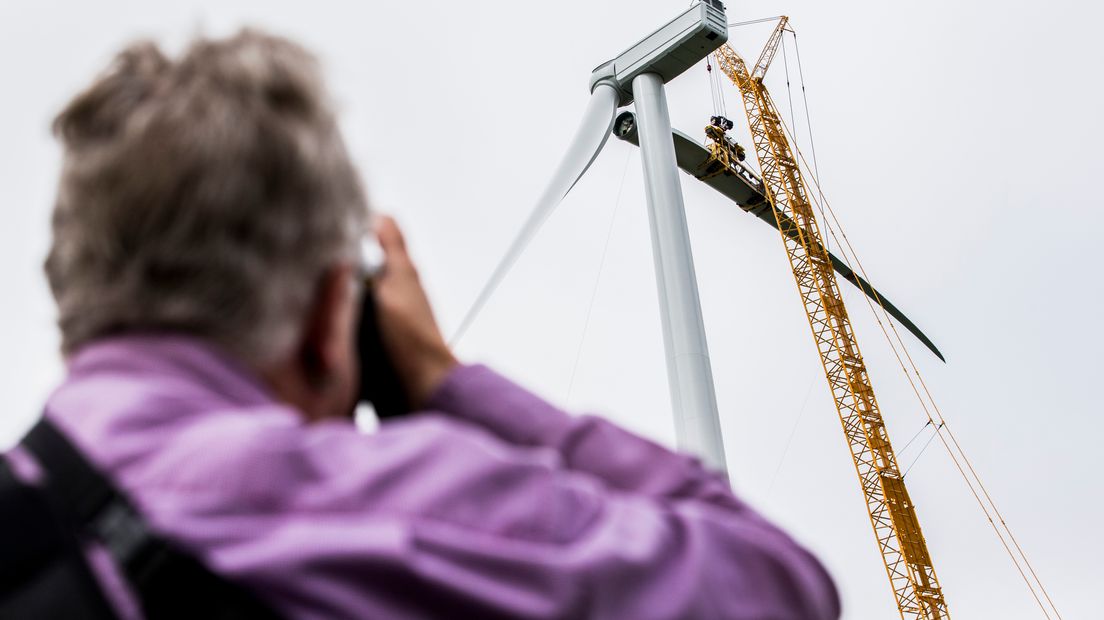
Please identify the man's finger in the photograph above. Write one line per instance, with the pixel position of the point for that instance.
(390, 236)
(391, 240)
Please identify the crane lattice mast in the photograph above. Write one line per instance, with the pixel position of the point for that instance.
(892, 513)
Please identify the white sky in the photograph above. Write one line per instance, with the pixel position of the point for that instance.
(958, 141)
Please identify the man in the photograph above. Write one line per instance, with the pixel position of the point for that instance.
(205, 267)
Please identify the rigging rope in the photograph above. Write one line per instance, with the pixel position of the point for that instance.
(598, 278)
(926, 425)
(793, 431)
(921, 453)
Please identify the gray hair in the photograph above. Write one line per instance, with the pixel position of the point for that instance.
(204, 195)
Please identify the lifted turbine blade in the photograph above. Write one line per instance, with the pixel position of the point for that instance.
(746, 190)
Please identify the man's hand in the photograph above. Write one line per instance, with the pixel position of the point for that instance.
(409, 332)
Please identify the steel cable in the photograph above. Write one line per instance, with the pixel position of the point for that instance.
(598, 279)
(848, 256)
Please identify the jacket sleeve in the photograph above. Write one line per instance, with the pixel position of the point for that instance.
(703, 541)
(587, 444)
(495, 505)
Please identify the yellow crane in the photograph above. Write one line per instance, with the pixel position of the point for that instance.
(892, 513)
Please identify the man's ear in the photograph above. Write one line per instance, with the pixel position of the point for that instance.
(329, 329)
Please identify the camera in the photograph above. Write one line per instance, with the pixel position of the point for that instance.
(380, 385)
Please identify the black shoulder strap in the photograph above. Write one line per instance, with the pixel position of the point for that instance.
(43, 573)
(82, 491)
(168, 582)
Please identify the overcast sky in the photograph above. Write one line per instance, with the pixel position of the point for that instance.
(959, 142)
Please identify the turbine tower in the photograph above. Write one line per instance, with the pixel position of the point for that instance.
(639, 73)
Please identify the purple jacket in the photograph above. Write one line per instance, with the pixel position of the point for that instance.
(491, 503)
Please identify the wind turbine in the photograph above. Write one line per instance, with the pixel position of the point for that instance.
(638, 75)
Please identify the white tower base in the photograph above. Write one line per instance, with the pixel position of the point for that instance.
(689, 374)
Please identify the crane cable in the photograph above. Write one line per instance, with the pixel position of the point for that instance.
(941, 424)
(808, 119)
(720, 93)
(921, 452)
(716, 91)
(941, 420)
(712, 86)
(789, 93)
(755, 21)
(927, 413)
(909, 443)
(846, 245)
(808, 123)
(793, 122)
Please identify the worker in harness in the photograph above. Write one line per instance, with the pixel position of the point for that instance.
(200, 459)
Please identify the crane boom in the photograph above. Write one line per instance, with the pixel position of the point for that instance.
(769, 50)
(892, 513)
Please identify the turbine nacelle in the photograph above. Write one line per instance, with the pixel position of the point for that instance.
(667, 52)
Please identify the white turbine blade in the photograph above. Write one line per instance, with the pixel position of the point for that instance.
(587, 143)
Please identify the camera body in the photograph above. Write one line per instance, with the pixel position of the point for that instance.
(380, 385)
